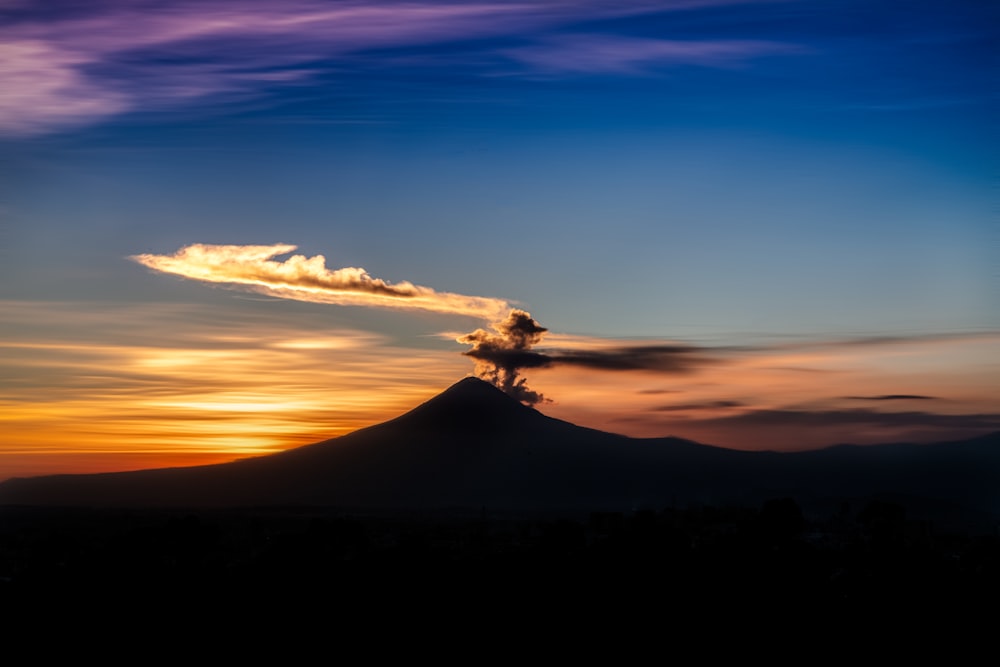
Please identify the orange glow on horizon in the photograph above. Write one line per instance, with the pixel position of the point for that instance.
(177, 385)
(179, 392)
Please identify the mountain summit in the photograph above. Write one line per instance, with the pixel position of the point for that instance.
(470, 389)
(469, 403)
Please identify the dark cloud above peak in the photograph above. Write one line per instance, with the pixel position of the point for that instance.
(666, 358)
(502, 353)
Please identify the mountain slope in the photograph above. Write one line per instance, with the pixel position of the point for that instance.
(473, 446)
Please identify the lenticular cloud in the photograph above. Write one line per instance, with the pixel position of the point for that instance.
(302, 278)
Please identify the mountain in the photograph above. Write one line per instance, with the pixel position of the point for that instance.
(472, 446)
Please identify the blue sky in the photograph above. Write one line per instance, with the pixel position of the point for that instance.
(719, 173)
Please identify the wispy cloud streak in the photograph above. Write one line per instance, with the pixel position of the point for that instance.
(611, 54)
(68, 66)
(142, 385)
(304, 278)
(891, 397)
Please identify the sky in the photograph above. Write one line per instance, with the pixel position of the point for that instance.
(232, 228)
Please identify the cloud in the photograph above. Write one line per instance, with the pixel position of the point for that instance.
(64, 66)
(44, 87)
(892, 397)
(863, 417)
(307, 279)
(936, 338)
(789, 429)
(64, 69)
(612, 54)
(502, 353)
(708, 405)
(178, 384)
(665, 358)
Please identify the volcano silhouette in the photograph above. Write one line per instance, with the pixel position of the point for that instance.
(472, 446)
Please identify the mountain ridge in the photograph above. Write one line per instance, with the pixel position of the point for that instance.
(472, 446)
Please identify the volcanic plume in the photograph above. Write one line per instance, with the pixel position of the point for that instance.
(500, 353)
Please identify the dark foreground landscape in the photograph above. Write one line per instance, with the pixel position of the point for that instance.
(473, 493)
(699, 555)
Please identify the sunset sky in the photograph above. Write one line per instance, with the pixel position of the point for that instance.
(230, 228)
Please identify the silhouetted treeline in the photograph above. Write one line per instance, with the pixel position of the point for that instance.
(857, 556)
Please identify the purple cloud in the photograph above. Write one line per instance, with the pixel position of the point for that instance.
(72, 70)
(609, 54)
(65, 66)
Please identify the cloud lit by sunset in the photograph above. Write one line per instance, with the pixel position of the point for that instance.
(307, 279)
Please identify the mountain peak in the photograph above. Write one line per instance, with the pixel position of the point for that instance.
(470, 400)
(473, 391)
(472, 385)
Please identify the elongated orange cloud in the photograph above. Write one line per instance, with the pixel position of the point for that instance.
(307, 279)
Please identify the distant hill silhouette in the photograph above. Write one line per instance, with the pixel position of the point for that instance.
(473, 447)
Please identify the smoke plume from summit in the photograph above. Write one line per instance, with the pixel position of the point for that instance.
(500, 353)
